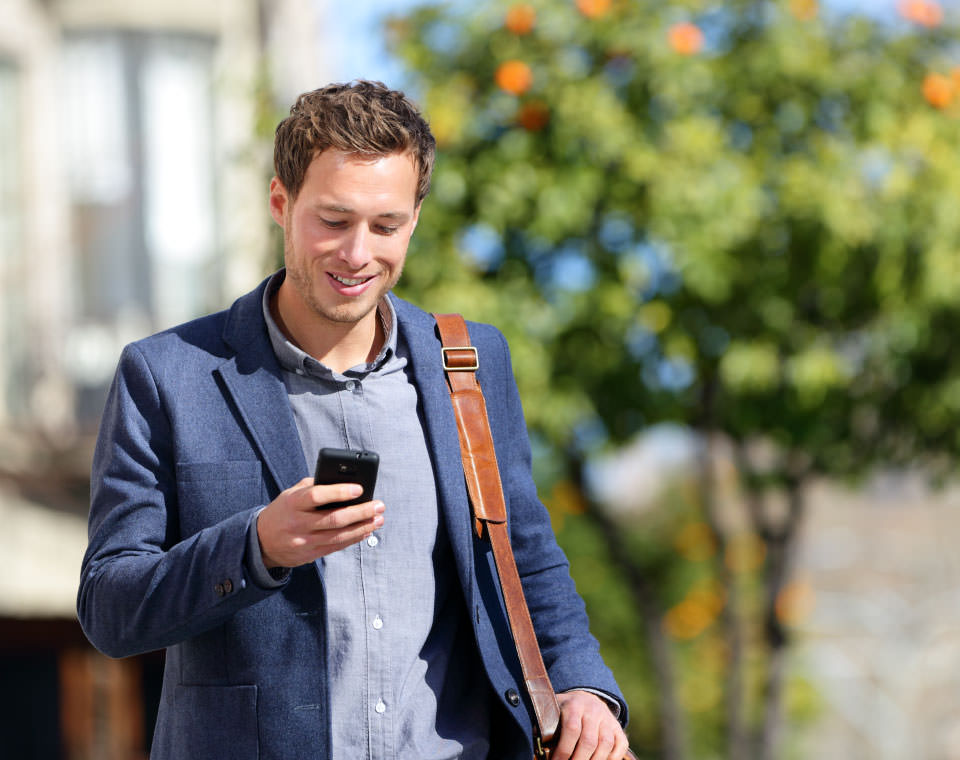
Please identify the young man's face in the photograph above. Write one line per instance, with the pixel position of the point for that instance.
(346, 233)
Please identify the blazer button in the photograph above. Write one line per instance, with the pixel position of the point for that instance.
(512, 697)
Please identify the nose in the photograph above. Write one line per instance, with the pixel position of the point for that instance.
(355, 247)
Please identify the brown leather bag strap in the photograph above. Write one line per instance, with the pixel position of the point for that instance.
(460, 362)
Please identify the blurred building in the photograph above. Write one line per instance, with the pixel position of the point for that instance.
(875, 625)
(882, 643)
(135, 142)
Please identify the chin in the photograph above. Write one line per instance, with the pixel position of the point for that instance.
(346, 314)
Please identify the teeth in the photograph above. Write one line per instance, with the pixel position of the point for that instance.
(348, 281)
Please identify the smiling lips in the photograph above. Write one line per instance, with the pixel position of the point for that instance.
(350, 281)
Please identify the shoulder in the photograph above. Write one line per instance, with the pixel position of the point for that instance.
(202, 336)
(419, 330)
(412, 318)
(210, 338)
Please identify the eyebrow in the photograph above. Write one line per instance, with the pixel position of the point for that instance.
(399, 216)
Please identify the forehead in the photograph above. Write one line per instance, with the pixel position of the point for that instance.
(334, 169)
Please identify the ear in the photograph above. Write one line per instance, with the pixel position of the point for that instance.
(416, 217)
(279, 200)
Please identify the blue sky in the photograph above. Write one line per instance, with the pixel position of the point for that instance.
(356, 42)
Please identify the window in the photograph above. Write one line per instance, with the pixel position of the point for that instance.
(142, 188)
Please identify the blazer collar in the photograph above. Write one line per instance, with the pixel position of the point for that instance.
(253, 379)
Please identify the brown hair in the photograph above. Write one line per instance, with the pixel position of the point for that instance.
(361, 117)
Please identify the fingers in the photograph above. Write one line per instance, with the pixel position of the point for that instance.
(620, 746)
(580, 737)
(307, 496)
(295, 528)
(337, 528)
(588, 729)
(570, 727)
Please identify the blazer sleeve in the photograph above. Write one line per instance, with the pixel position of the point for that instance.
(142, 585)
(570, 652)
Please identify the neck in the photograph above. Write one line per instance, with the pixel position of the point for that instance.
(337, 345)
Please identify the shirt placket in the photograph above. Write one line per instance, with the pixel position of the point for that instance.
(377, 667)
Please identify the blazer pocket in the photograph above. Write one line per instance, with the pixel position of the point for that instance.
(209, 492)
(216, 721)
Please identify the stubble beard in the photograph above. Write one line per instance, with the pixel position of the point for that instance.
(352, 312)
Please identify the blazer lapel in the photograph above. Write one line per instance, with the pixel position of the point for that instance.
(440, 429)
(252, 378)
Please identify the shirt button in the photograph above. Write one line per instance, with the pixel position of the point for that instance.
(378, 622)
(512, 697)
(372, 541)
(381, 707)
(351, 384)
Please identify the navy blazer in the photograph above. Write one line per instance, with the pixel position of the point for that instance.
(196, 436)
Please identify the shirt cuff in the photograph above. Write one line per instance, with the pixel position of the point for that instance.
(611, 701)
(265, 577)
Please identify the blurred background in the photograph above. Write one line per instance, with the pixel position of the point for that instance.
(721, 237)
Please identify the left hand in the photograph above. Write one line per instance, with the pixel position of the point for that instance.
(588, 729)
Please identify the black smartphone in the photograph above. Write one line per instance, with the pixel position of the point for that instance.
(347, 466)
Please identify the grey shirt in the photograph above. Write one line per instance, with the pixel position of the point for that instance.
(404, 674)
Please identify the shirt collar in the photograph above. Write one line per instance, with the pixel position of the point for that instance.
(294, 359)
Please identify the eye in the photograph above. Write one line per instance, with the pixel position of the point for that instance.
(385, 229)
(333, 224)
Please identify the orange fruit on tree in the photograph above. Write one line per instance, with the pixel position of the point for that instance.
(933, 15)
(514, 77)
(594, 8)
(520, 18)
(923, 12)
(685, 38)
(534, 116)
(938, 90)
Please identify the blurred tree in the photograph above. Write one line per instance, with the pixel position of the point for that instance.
(739, 216)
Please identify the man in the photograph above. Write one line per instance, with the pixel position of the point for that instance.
(373, 630)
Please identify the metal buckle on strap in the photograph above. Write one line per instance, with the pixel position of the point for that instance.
(452, 363)
(539, 751)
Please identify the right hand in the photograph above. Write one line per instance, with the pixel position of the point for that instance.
(293, 532)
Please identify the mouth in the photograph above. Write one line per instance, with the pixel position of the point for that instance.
(350, 281)
(349, 285)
